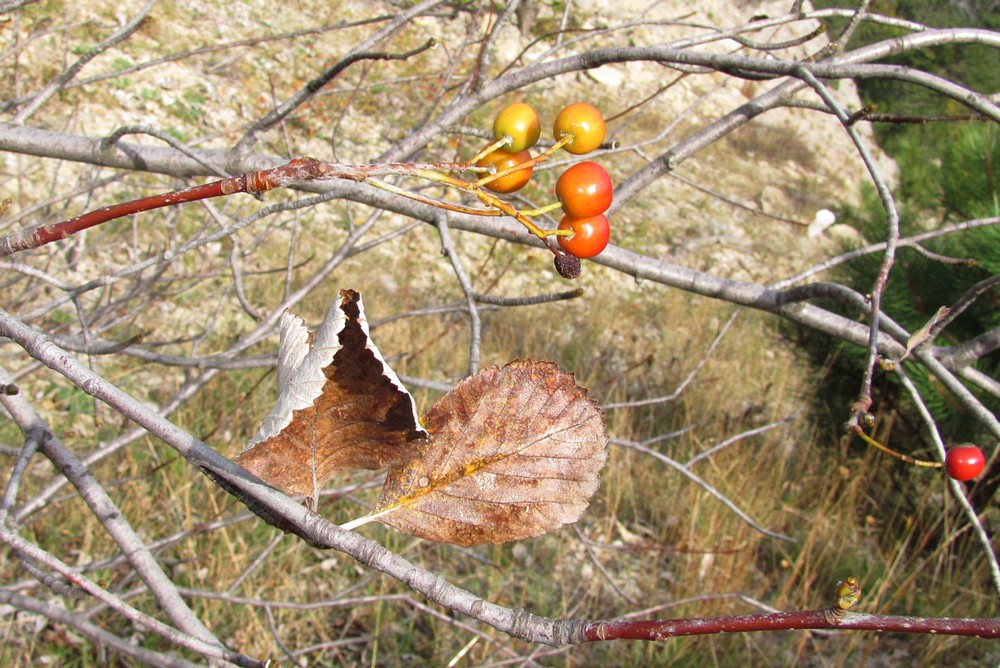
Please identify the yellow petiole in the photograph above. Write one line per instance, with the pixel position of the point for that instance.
(898, 455)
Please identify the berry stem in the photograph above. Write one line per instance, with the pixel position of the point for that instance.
(538, 159)
(501, 207)
(542, 209)
(898, 455)
(430, 201)
(494, 202)
(498, 144)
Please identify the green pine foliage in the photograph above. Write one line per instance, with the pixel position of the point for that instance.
(960, 188)
(948, 174)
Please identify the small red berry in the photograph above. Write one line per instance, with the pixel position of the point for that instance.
(584, 190)
(590, 235)
(964, 462)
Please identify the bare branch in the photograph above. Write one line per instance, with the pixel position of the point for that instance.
(698, 480)
(475, 326)
(92, 631)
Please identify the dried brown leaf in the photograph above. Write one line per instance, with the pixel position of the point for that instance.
(511, 453)
(924, 332)
(357, 415)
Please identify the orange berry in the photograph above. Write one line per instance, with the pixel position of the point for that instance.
(585, 123)
(504, 160)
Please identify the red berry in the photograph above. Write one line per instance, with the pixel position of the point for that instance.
(503, 160)
(585, 123)
(964, 462)
(519, 122)
(584, 190)
(590, 235)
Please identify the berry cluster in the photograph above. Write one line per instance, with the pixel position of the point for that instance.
(584, 190)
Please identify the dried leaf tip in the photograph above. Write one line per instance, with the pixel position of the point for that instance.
(567, 265)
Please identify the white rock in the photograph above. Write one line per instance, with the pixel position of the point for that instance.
(823, 219)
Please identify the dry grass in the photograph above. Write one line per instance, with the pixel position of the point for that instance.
(662, 540)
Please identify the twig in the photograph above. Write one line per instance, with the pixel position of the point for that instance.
(784, 621)
(963, 303)
(92, 631)
(141, 619)
(297, 171)
(235, 264)
(914, 240)
(892, 236)
(777, 46)
(481, 71)
(679, 390)
(357, 54)
(698, 480)
(844, 38)
(214, 48)
(528, 301)
(108, 514)
(475, 326)
(736, 438)
(257, 563)
(604, 571)
(276, 636)
(24, 456)
(42, 498)
(113, 138)
(732, 202)
(60, 80)
(969, 351)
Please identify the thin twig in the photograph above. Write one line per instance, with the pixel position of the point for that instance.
(892, 236)
(677, 466)
(359, 53)
(679, 390)
(475, 325)
(172, 635)
(92, 631)
(736, 438)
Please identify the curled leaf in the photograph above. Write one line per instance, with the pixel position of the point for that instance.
(924, 332)
(339, 405)
(511, 453)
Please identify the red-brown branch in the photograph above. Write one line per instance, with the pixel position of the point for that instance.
(299, 170)
(825, 618)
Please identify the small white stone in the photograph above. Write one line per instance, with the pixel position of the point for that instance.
(824, 218)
